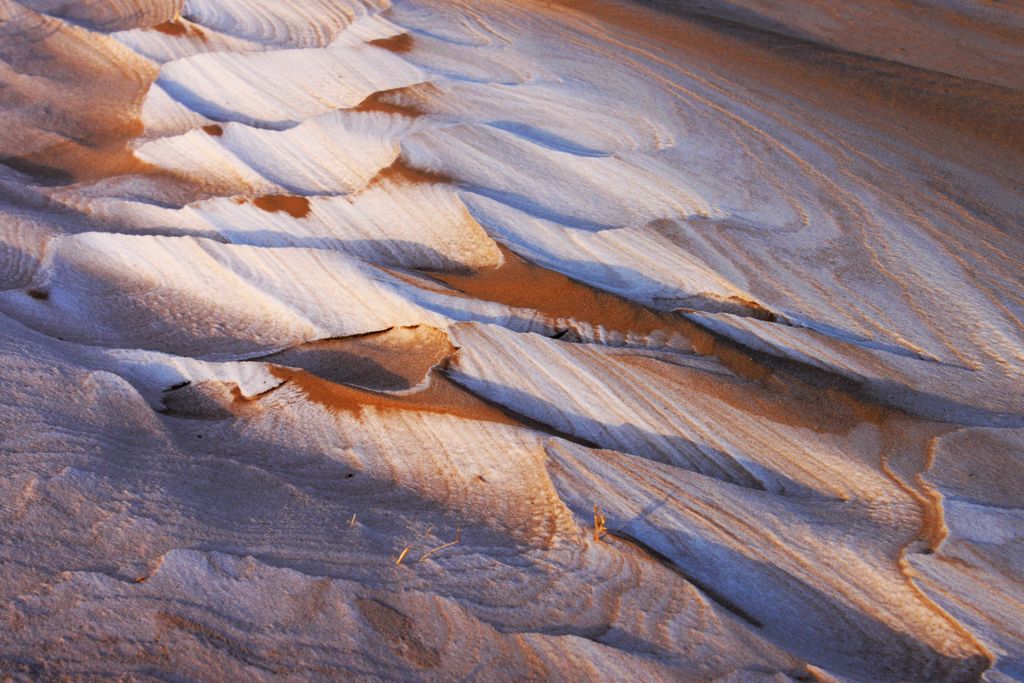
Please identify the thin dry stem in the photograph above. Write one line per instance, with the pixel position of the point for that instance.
(458, 538)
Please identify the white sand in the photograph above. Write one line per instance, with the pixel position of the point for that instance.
(324, 327)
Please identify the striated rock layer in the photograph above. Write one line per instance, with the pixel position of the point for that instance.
(506, 340)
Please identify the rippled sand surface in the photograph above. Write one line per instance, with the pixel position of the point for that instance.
(494, 340)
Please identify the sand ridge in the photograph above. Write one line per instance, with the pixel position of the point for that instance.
(534, 340)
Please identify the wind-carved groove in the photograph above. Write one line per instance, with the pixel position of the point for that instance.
(734, 305)
(373, 384)
(520, 283)
(712, 594)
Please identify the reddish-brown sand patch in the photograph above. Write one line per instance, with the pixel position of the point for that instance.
(176, 27)
(296, 207)
(442, 396)
(523, 284)
(171, 28)
(384, 101)
(401, 173)
(403, 42)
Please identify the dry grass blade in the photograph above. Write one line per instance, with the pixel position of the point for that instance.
(599, 528)
(404, 553)
(458, 538)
